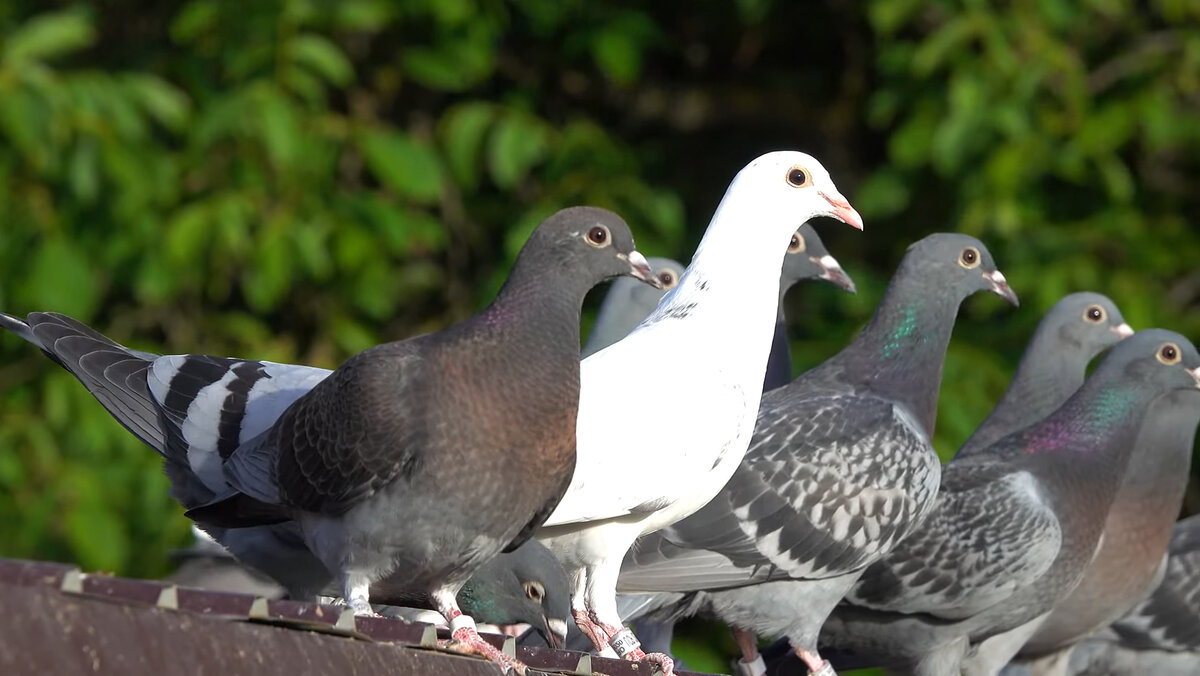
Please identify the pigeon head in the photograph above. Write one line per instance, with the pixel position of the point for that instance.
(791, 183)
(526, 586)
(1158, 359)
(959, 263)
(807, 258)
(591, 244)
(1086, 324)
(765, 204)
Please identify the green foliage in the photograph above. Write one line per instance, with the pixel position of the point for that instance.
(296, 181)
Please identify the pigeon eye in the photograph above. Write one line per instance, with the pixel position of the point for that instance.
(797, 177)
(667, 278)
(534, 591)
(969, 258)
(1094, 314)
(797, 244)
(598, 236)
(1168, 354)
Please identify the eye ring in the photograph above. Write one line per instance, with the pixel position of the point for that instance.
(1168, 354)
(969, 258)
(598, 236)
(797, 244)
(667, 278)
(798, 177)
(1094, 314)
(534, 591)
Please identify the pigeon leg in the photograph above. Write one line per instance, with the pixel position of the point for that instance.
(584, 619)
(751, 663)
(816, 665)
(465, 637)
(356, 590)
(602, 607)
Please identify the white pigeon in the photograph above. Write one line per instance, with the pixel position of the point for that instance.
(642, 466)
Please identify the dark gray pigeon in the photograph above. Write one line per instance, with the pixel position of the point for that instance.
(386, 440)
(1161, 635)
(840, 467)
(1073, 331)
(273, 561)
(1013, 529)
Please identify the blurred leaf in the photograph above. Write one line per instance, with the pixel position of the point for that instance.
(48, 36)
(463, 129)
(60, 278)
(408, 168)
(323, 57)
(617, 55)
(516, 144)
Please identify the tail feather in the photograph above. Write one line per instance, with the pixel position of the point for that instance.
(112, 373)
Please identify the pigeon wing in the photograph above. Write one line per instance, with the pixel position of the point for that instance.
(990, 535)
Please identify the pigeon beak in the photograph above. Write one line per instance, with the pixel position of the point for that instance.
(1195, 374)
(842, 210)
(999, 286)
(1122, 330)
(640, 268)
(831, 271)
(555, 632)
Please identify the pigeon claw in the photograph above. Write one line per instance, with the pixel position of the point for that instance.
(661, 660)
(466, 640)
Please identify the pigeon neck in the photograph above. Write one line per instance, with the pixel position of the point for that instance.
(1157, 475)
(779, 362)
(899, 353)
(1046, 376)
(1098, 423)
(546, 311)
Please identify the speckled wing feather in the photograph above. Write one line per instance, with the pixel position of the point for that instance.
(993, 533)
(1169, 619)
(354, 432)
(816, 496)
(819, 493)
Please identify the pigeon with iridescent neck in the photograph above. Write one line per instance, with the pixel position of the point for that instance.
(643, 466)
(840, 468)
(1077, 328)
(395, 462)
(1014, 528)
(1161, 635)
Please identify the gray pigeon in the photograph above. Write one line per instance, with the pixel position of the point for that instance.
(1013, 529)
(1136, 532)
(1161, 635)
(1139, 522)
(373, 460)
(840, 467)
(1077, 328)
(524, 588)
(628, 302)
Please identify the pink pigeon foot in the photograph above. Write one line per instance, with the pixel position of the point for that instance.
(628, 647)
(816, 665)
(466, 640)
